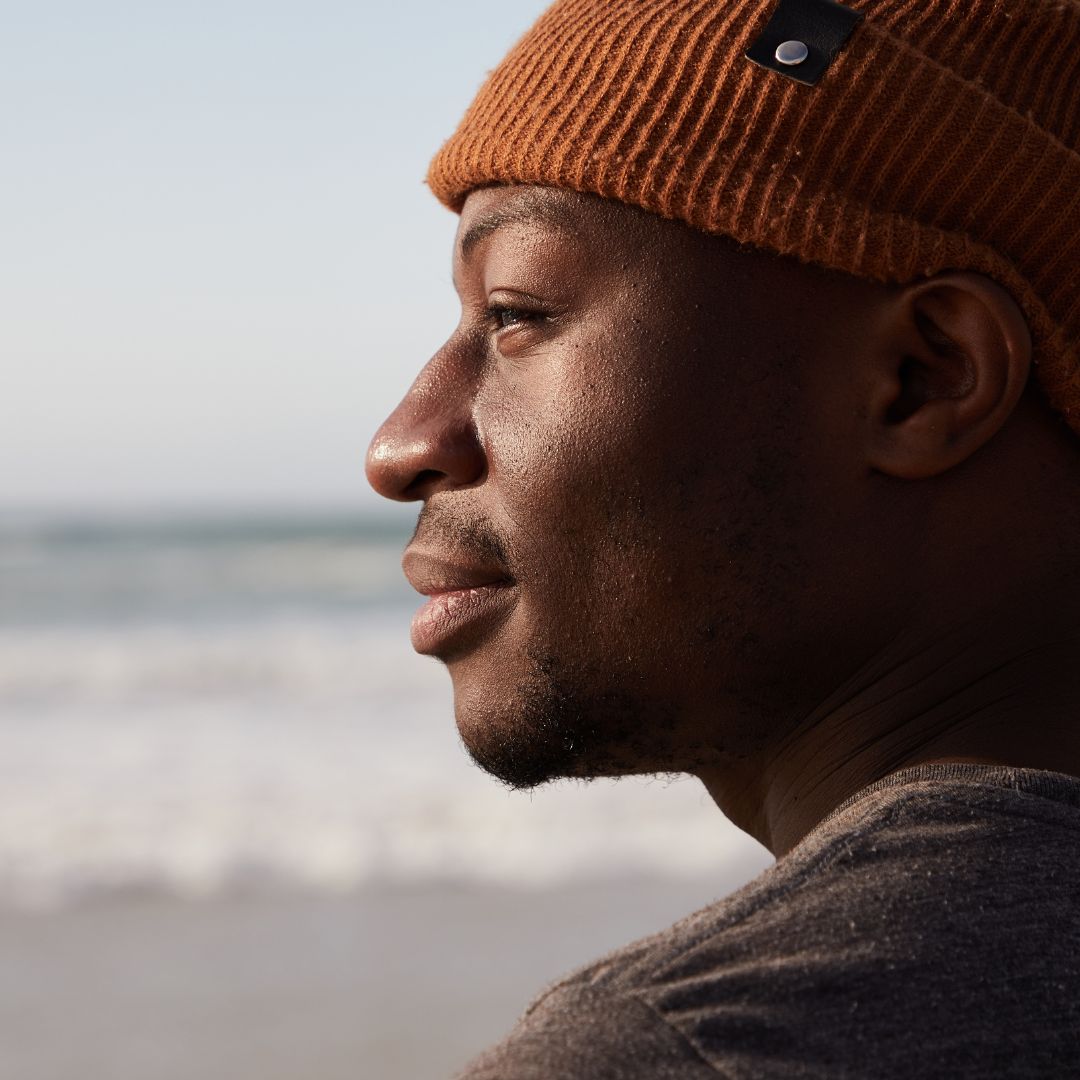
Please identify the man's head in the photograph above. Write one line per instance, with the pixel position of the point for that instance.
(689, 467)
(678, 491)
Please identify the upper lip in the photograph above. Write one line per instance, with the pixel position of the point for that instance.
(431, 574)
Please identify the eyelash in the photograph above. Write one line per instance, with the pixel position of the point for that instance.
(520, 316)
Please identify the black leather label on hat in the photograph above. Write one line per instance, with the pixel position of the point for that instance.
(803, 37)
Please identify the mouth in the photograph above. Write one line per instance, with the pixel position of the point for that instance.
(464, 602)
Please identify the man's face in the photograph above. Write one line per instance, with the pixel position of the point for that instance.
(633, 454)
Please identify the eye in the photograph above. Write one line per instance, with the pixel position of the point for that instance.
(503, 316)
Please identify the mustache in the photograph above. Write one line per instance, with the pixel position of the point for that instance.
(440, 528)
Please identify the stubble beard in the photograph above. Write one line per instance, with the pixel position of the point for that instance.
(559, 725)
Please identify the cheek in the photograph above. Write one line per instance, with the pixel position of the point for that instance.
(566, 434)
(655, 512)
(555, 490)
(612, 464)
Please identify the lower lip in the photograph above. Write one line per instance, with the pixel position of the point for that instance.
(450, 617)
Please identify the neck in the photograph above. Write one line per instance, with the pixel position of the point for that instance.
(999, 687)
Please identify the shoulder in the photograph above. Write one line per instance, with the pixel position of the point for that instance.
(928, 928)
(576, 1031)
(931, 927)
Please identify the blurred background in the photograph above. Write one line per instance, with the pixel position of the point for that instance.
(238, 837)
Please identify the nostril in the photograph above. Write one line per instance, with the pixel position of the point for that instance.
(420, 483)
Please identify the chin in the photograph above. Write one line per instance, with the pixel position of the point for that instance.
(548, 726)
(510, 745)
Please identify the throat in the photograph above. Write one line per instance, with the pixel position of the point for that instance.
(984, 696)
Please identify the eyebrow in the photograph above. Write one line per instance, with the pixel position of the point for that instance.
(532, 211)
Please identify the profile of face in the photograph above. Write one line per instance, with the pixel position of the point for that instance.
(643, 530)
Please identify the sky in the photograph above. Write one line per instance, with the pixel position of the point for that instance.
(219, 265)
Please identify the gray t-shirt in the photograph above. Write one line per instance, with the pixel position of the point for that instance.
(929, 927)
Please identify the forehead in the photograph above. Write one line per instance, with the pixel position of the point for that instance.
(585, 237)
(571, 235)
(489, 210)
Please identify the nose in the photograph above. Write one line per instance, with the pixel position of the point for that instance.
(429, 443)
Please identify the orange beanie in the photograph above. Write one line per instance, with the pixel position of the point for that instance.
(943, 134)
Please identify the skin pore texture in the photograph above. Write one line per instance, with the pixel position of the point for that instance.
(726, 514)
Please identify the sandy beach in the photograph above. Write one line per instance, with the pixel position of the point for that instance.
(389, 984)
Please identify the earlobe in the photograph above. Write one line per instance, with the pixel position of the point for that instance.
(955, 355)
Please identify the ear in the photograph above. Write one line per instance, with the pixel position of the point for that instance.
(956, 354)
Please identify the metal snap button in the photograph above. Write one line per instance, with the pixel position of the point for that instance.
(792, 52)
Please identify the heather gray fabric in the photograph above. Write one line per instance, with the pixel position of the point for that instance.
(930, 927)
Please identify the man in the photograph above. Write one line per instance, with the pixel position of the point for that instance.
(754, 456)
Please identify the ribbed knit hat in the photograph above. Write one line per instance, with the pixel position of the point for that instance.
(944, 134)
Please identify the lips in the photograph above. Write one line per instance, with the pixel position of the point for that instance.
(465, 601)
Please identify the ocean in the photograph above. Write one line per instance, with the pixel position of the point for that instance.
(200, 706)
